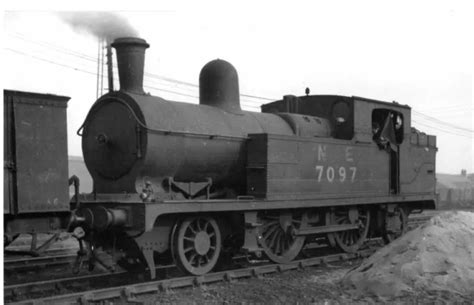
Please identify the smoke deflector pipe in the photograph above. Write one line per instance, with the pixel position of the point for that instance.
(131, 61)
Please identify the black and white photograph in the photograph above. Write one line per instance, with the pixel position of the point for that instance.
(238, 152)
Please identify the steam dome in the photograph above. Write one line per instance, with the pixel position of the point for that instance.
(219, 86)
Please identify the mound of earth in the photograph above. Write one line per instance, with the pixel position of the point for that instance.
(438, 256)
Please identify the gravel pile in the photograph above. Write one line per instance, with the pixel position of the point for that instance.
(438, 256)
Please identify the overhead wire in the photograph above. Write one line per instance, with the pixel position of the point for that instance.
(442, 130)
(191, 86)
(82, 70)
(447, 108)
(50, 61)
(54, 47)
(147, 74)
(438, 121)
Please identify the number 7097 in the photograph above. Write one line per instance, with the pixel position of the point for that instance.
(340, 174)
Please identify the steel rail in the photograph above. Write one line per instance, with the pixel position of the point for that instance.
(22, 263)
(12, 292)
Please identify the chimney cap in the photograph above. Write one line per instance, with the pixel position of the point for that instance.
(130, 41)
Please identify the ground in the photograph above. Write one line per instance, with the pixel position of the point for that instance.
(313, 285)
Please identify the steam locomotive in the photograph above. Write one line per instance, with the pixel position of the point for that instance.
(200, 183)
(203, 181)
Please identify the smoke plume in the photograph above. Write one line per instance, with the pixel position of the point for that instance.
(103, 25)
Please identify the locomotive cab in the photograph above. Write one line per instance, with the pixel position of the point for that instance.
(379, 132)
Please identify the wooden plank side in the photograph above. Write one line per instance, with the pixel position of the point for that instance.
(41, 154)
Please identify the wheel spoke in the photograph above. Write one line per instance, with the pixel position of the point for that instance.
(198, 225)
(287, 243)
(206, 226)
(355, 238)
(269, 224)
(282, 244)
(345, 237)
(192, 258)
(278, 242)
(192, 229)
(270, 231)
(272, 242)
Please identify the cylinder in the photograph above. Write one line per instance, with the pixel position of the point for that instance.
(99, 218)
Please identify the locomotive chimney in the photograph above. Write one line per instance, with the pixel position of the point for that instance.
(131, 61)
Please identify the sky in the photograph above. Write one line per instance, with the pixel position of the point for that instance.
(415, 53)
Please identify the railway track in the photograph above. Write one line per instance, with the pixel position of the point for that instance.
(28, 263)
(129, 292)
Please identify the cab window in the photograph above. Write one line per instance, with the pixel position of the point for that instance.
(387, 126)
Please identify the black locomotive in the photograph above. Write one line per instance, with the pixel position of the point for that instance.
(203, 181)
